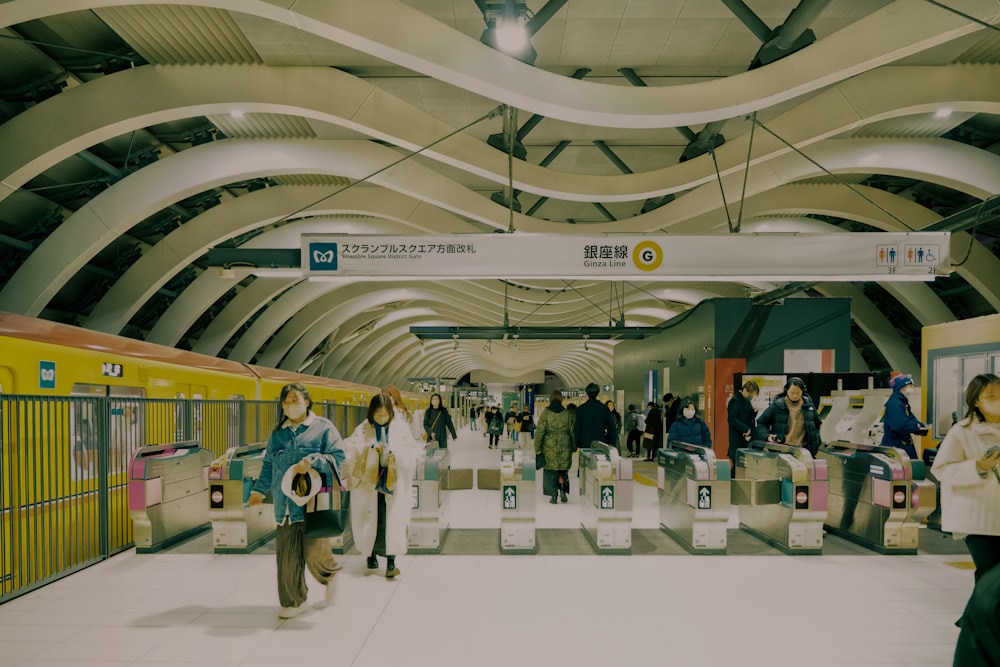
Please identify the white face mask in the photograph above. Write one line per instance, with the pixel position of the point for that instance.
(907, 390)
(295, 411)
(381, 417)
(689, 412)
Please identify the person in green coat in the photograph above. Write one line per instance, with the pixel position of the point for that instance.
(554, 439)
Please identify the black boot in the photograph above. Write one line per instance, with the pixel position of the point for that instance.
(390, 567)
(372, 562)
(555, 498)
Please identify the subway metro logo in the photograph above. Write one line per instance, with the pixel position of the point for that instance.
(322, 256)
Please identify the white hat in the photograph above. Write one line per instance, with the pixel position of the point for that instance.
(290, 485)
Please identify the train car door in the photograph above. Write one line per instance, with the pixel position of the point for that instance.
(124, 427)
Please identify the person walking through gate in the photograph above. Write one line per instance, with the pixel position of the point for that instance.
(554, 439)
(742, 418)
(301, 443)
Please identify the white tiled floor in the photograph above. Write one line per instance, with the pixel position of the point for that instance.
(174, 609)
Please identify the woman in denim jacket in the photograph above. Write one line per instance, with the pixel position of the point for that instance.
(302, 440)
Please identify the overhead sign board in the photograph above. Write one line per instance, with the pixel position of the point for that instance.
(776, 256)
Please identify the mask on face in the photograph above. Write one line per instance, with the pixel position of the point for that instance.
(295, 411)
(907, 390)
(689, 412)
(381, 417)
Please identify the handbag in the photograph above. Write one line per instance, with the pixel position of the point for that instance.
(364, 475)
(433, 424)
(539, 461)
(329, 513)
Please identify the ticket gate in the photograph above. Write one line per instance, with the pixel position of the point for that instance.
(517, 502)
(238, 528)
(853, 415)
(427, 528)
(606, 494)
(168, 493)
(694, 491)
(878, 496)
(782, 493)
(934, 518)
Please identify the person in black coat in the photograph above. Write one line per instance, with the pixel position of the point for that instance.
(652, 438)
(742, 418)
(437, 422)
(594, 421)
(791, 418)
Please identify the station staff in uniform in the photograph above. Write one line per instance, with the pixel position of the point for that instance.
(302, 441)
(899, 422)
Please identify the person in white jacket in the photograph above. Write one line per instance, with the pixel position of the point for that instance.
(968, 467)
(378, 517)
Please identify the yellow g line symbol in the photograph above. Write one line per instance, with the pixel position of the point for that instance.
(647, 256)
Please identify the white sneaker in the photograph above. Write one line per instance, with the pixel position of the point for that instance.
(292, 612)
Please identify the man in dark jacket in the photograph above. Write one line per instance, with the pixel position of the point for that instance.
(594, 421)
(791, 418)
(899, 422)
(742, 418)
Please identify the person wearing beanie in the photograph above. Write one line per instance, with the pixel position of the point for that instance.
(900, 424)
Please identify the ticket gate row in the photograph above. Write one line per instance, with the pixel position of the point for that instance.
(782, 491)
(427, 529)
(606, 495)
(693, 487)
(878, 496)
(237, 527)
(168, 493)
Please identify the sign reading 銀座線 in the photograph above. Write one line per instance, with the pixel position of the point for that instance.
(777, 256)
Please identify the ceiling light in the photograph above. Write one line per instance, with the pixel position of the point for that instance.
(507, 30)
(943, 112)
(237, 114)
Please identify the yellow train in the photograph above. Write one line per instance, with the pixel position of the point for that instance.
(65, 390)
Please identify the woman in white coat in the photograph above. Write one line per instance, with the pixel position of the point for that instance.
(968, 466)
(379, 519)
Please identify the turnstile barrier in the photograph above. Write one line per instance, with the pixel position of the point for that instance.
(694, 496)
(238, 528)
(782, 492)
(606, 494)
(878, 496)
(168, 493)
(517, 501)
(427, 528)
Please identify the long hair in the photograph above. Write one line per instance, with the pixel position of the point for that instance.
(392, 391)
(430, 403)
(976, 387)
(288, 388)
(380, 401)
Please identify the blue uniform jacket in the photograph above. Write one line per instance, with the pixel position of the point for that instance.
(692, 431)
(316, 439)
(900, 424)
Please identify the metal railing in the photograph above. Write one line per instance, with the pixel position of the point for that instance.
(64, 470)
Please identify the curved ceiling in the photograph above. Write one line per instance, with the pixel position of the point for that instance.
(139, 135)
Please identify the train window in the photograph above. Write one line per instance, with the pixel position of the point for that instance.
(121, 427)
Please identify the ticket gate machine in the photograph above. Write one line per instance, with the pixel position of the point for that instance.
(427, 528)
(517, 501)
(168, 493)
(853, 415)
(606, 494)
(878, 496)
(694, 491)
(238, 528)
(782, 491)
